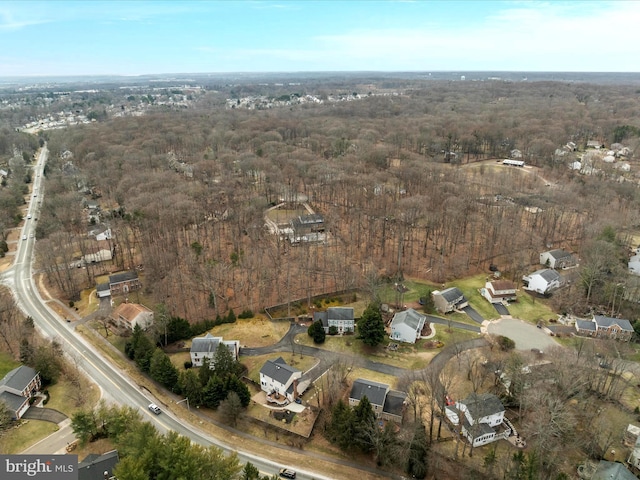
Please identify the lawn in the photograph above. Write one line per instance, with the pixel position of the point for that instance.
(17, 439)
(7, 364)
(258, 331)
(407, 356)
(531, 308)
(254, 364)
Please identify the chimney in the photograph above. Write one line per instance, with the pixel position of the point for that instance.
(295, 388)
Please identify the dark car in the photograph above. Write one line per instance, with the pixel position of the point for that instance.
(287, 473)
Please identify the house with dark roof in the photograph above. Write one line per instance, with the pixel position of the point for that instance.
(449, 300)
(308, 224)
(386, 404)
(557, 259)
(17, 387)
(98, 467)
(605, 327)
(123, 283)
(280, 381)
(128, 315)
(206, 347)
(482, 417)
(340, 317)
(103, 290)
(407, 326)
(542, 281)
(499, 291)
(612, 471)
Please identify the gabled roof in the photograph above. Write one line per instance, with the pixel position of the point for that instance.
(278, 370)
(482, 405)
(586, 325)
(374, 391)
(18, 378)
(394, 402)
(13, 401)
(206, 344)
(122, 277)
(499, 285)
(409, 317)
(451, 294)
(340, 313)
(94, 466)
(606, 322)
(102, 287)
(559, 253)
(612, 471)
(548, 274)
(129, 311)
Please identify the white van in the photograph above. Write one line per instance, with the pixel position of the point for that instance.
(154, 408)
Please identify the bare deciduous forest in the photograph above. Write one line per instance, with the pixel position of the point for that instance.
(405, 176)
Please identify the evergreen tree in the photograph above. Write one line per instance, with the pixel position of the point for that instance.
(417, 465)
(190, 387)
(224, 363)
(240, 388)
(214, 392)
(316, 331)
(371, 326)
(341, 427)
(250, 472)
(163, 371)
(205, 372)
(364, 425)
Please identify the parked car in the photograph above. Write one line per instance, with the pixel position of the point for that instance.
(24, 237)
(155, 408)
(287, 473)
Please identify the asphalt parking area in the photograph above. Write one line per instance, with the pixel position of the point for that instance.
(525, 335)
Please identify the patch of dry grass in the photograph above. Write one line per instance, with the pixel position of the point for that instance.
(258, 331)
(88, 302)
(28, 432)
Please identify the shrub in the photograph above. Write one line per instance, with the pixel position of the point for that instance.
(506, 343)
(71, 303)
(246, 314)
(188, 364)
(333, 330)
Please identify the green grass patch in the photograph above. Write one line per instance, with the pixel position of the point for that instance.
(455, 335)
(531, 308)
(7, 364)
(17, 439)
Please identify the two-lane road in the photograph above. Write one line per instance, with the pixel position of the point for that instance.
(115, 386)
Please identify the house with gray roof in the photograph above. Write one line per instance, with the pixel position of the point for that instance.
(17, 387)
(386, 403)
(340, 317)
(206, 347)
(407, 326)
(542, 281)
(605, 327)
(123, 283)
(612, 471)
(279, 380)
(482, 417)
(557, 259)
(449, 300)
(98, 467)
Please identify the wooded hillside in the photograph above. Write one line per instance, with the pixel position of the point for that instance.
(185, 192)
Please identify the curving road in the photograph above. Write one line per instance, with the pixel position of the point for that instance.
(115, 386)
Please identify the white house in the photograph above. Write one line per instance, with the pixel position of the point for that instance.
(557, 258)
(17, 387)
(340, 317)
(407, 326)
(482, 417)
(542, 281)
(499, 291)
(277, 379)
(128, 315)
(206, 347)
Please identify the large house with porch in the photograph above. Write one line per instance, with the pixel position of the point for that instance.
(340, 317)
(206, 347)
(482, 417)
(17, 387)
(605, 327)
(280, 381)
(129, 315)
(542, 281)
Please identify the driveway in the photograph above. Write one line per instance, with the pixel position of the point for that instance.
(501, 309)
(45, 414)
(473, 314)
(452, 324)
(525, 335)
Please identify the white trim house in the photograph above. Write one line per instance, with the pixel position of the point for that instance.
(407, 326)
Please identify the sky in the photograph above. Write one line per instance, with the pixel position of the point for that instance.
(91, 37)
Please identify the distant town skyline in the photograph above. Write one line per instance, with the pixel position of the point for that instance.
(44, 38)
